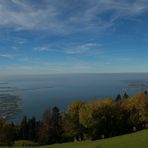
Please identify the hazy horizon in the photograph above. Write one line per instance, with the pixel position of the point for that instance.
(35, 93)
(48, 74)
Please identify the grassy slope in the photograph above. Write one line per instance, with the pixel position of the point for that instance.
(135, 140)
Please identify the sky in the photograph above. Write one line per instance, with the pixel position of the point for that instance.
(73, 36)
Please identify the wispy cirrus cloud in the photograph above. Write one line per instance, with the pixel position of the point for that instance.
(16, 57)
(9, 56)
(67, 16)
(86, 48)
(35, 34)
(21, 15)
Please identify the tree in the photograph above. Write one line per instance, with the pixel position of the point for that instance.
(71, 123)
(145, 92)
(125, 96)
(32, 129)
(44, 133)
(24, 128)
(138, 110)
(6, 133)
(56, 127)
(98, 118)
(103, 118)
(88, 119)
(118, 98)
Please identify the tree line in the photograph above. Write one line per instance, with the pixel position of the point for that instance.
(100, 118)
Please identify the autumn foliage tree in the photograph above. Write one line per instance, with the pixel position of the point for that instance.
(71, 121)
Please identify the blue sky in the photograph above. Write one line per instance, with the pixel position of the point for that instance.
(73, 36)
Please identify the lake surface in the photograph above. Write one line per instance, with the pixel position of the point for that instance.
(36, 93)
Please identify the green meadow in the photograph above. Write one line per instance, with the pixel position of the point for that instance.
(134, 140)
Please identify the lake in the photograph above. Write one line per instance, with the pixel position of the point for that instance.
(38, 92)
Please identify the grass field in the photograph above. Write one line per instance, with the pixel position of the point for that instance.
(134, 140)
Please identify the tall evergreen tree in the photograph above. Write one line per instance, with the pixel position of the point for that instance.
(45, 132)
(118, 98)
(32, 129)
(24, 128)
(125, 96)
(56, 125)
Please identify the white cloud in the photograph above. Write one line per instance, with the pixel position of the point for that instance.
(45, 48)
(62, 17)
(83, 48)
(8, 56)
(86, 48)
(23, 16)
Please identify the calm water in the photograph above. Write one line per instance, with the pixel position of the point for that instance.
(40, 92)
